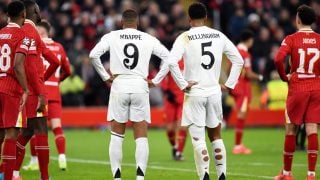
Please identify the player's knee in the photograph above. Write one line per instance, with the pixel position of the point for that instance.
(11, 133)
(311, 128)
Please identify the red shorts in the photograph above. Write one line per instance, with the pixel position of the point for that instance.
(9, 112)
(54, 109)
(303, 107)
(31, 108)
(242, 101)
(172, 111)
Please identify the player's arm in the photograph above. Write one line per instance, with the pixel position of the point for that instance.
(171, 63)
(52, 59)
(252, 75)
(237, 63)
(95, 54)
(65, 66)
(21, 76)
(280, 58)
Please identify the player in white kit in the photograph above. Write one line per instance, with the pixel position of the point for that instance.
(202, 49)
(130, 52)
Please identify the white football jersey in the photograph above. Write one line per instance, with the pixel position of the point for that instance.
(202, 49)
(130, 53)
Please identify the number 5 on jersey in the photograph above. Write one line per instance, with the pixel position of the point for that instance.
(205, 52)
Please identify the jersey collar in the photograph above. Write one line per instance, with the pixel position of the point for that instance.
(305, 30)
(30, 22)
(12, 24)
(242, 46)
(47, 40)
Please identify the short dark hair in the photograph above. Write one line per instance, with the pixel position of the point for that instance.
(246, 35)
(15, 8)
(29, 4)
(45, 24)
(197, 11)
(129, 15)
(306, 14)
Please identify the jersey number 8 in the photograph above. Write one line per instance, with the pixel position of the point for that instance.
(5, 59)
(134, 55)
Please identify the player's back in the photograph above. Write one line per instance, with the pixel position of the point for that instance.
(58, 51)
(12, 40)
(203, 53)
(305, 64)
(52, 84)
(130, 53)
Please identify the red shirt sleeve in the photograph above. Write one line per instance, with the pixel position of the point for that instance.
(33, 77)
(52, 59)
(281, 55)
(23, 45)
(65, 65)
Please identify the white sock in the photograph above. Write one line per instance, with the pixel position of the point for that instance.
(34, 159)
(286, 173)
(115, 153)
(311, 173)
(201, 155)
(220, 157)
(62, 157)
(142, 155)
(16, 173)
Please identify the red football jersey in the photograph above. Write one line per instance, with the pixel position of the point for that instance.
(52, 84)
(35, 70)
(12, 41)
(243, 50)
(169, 84)
(304, 49)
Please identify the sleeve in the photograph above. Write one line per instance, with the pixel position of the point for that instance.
(236, 60)
(170, 62)
(65, 65)
(52, 59)
(280, 57)
(33, 76)
(95, 54)
(23, 45)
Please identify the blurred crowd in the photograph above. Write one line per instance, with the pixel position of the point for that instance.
(79, 24)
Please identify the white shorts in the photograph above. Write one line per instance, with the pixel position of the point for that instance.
(202, 111)
(129, 106)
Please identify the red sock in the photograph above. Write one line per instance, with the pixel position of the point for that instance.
(60, 140)
(239, 131)
(312, 151)
(42, 149)
(289, 148)
(20, 148)
(33, 146)
(172, 137)
(9, 157)
(182, 136)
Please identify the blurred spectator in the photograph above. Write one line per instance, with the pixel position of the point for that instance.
(71, 90)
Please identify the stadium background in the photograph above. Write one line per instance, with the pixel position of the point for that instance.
(78, 25)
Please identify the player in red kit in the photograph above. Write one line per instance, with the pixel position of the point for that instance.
(304, 89)
(14, 91)
(54, 98)
(242, 92)
(173, 112)
(36, 109)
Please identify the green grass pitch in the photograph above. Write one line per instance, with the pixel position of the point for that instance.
(87, 152)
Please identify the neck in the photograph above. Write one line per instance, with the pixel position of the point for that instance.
(133, 26)
(20, 23)
(304, 27)
(197, 23)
